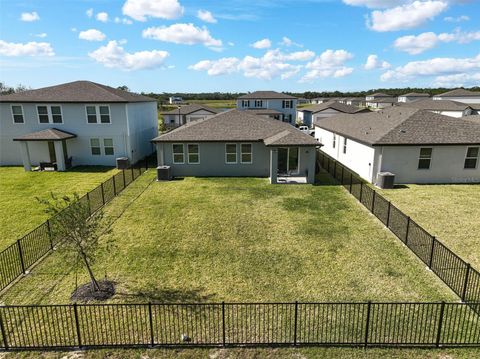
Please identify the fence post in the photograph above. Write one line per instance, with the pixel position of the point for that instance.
(367, 324)
(152, 342)
(133, 174)
(334, 169)
(388, 213)
(103, 193)
(361, 191)
(20, 253)
(123, 173)
(465, 283)
(77, 325)
(440, 323)
(343, 170)
(49, 229)
(373, 201)
(223, 324)
(88, 202)
(407, 230)
(430, 262)
(351, 181)
(114, 186)
(2, 328)
(295, 327)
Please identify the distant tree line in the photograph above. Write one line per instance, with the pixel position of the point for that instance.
(6, 90)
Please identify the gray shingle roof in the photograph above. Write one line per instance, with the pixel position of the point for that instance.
(415, 94)
(333, 105)
(437, 105)
(263, 111)
(383, 100)
(239, 126)
(78, 91)
(459, 93)
(187, 109)
(404, 126)
(51, 134)
(266, 95)
(379, 94)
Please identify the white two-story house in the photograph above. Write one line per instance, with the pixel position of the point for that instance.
(77, 123)
(276, 105)
(460, 95)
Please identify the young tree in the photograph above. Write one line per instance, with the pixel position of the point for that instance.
(78, 231)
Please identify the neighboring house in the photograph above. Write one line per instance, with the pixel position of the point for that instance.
(238, 143)
(78, 123)
(175, 100)
(413, 96)
(355, 101)
(270, 113)
(303, 101)
(460, 95)
(308, 115)
(271, 100)
(444, 107)
(318, 100)
(186, 114)
(418, 146)
(381, 103)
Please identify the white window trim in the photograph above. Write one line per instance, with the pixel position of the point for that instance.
(188, 154)
(112, 146)
(466, 157)
(183, 154)
(420, 158)
(97, 114)
(251, 154)
(49, 114)
(236, 153)
(99, 146)
(23, 114)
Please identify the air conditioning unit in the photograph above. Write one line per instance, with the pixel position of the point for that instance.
(123, 163)
(385, 180)
(164, 173)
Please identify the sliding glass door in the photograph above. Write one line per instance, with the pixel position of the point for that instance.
(288, 160)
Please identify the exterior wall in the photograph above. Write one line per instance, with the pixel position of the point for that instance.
(446, 165)
(459, 99)
(305, 117)
(379, 105)
(142, 128)
(456, 114)
(74, 121)
(328, 112)
(411, 98)
(359, 157)
(178, 120)
(274, 104)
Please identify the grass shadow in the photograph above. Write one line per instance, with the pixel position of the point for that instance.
(91, 169)
(165, 295)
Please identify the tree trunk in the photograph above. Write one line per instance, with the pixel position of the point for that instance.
(94, 282)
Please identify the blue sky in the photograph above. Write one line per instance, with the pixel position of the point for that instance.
(237, 45)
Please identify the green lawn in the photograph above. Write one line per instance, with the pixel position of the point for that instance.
(449, 212)
(241, 239)
(20, 211)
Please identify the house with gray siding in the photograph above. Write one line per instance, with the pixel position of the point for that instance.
(186, 113)
(308, 115)
(239, 143)
(77, 123)
(460, 95)
(286, 105)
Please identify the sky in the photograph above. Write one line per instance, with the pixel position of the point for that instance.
(240, 45)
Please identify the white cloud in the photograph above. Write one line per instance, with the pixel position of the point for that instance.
(433, 67)
(123, 20)
(375, 4)
(405, 16)
(89, 12)
(330, 63)
(457, 19)
(41, 35)
(29, 16)
(415, 45)
(299, 55)
(140, 10)
(186, 34)
(113, 55)
(206, 16)
(28, 49)
(102, 16)
(288, 42)
(374, 63)
(91, 35)
(226, 65)
(262, 44)
(457, 80)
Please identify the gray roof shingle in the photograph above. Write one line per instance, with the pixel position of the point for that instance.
(239, 126)
(437, 105)
(78, 91)
(266, 95)
(333, 105)
(50, 134)
(415, 94)
(187, 109)
(459, 93)
(404, 126)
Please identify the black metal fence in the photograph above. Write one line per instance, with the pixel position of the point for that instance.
(448, 266)
(16, 259)
(238, 324)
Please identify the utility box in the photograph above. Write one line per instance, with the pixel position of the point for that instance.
(385, 180)
(164, 173)
(123, 163)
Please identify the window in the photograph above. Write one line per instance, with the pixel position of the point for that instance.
(334, 142)
(231, 153)
(425, 158)
(95, 146)
(344, 145)
(17, 114)
(246, 153)
(49, 114)
(98, 114)
(178, 153)
(471, 158)
(287, 104)
(193, 153)
(245, 103)
(108, 146)
(258, 103)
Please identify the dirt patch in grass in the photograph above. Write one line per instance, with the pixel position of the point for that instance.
(87, 293)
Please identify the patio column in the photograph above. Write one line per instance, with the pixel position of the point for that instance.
(273, 165)
(27, 165)
(59, 156)
(160, 154)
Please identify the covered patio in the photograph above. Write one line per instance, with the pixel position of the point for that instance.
(56, 140)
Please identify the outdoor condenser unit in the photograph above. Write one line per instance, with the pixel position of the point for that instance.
(386, 180)
(123, 163)
(164, 173)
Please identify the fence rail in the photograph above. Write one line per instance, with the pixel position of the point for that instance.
(19, 257)
(238, 324)
(448, 266)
